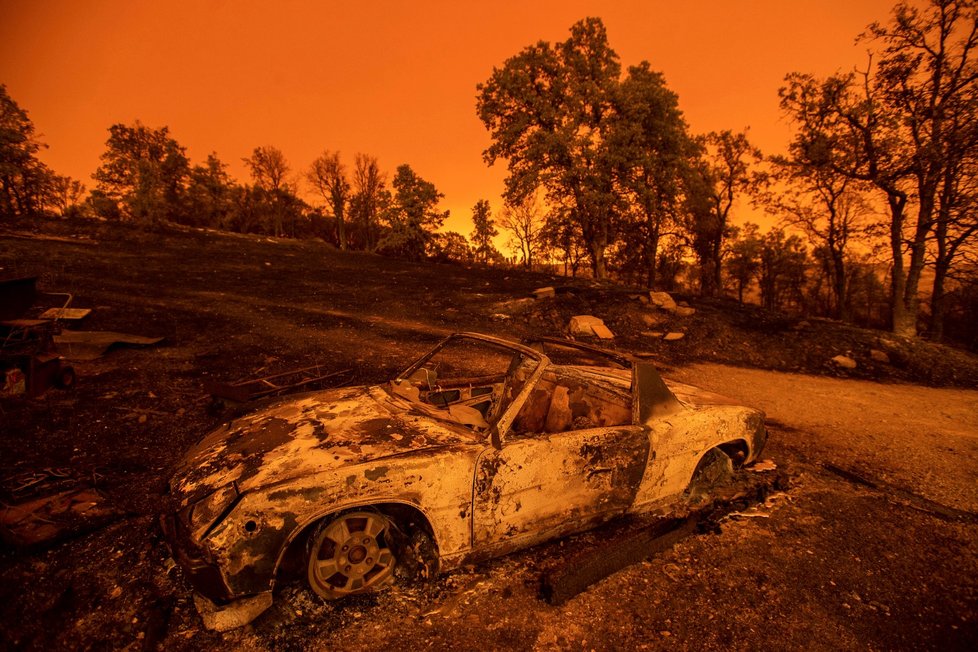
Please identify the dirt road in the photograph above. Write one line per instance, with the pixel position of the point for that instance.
(830, 565)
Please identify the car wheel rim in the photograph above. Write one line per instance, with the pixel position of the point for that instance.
(351, 555)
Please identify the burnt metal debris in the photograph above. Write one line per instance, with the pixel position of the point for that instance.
(251, 389)
(591, 565)
(29, 361)
(481, 447)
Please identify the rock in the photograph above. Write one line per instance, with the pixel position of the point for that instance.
(652, 319)
(643, 299)
(844, 361)
(544, 293)
(657, 335)
(514, 305)
(672, 337)
(236, 614)
(684, 311)
(499, 317)
(588, 325)
(879, 356)
(663, 300)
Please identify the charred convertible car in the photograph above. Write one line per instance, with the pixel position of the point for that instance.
(481, 447)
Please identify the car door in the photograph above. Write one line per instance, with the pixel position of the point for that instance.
(542, 484)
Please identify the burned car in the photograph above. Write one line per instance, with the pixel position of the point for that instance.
(481, 447)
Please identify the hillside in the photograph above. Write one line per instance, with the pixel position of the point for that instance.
(233, 307)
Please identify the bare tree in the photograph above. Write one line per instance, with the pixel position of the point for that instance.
(524, 222)
(893, 125)
(269, 171)
(328, 176)
(368, 198)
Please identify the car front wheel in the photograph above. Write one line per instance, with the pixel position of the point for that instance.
(351, 554)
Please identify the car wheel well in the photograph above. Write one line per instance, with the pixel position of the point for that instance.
(737, 451)
(406, 519)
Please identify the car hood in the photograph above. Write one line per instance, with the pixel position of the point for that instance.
(313, 433)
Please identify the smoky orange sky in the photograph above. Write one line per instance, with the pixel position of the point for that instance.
(393, 79)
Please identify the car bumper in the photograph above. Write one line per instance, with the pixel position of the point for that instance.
(202, 573)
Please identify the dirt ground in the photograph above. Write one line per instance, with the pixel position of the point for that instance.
(830, 564)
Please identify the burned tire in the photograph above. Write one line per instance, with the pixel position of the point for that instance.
(714, 470)
(351, 554)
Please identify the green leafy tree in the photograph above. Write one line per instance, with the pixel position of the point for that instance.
(143, 173)
(414, 216)
(484, 231)
(549, 111)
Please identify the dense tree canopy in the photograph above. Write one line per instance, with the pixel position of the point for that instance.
(143, 173)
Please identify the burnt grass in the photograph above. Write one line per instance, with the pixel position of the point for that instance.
(233, 307)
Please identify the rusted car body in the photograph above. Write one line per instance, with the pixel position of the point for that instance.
(483, 452)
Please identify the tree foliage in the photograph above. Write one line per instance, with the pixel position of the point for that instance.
(143, 174)
(903, 125)
(413, 217)
(483, 232)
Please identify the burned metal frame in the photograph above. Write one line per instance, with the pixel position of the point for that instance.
(298, 462)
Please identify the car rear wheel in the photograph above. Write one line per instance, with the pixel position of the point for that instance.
(351, 554)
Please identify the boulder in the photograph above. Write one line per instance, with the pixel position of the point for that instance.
(684, 311)
(589, 326)
(844, 361)
(672, 337)
(663, 300)
(544, 293)
(879, 356)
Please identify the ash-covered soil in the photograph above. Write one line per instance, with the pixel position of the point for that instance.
(829, 565)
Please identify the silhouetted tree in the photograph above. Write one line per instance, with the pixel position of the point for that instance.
(26, 184)
(831, 211)
(897, 126)
(716, 182)
(744, 259)
(274, 194)
(143, 173)
(782, 272)
(524, 222)
(369, 200)
(652, 150)
(413, 217)
(210, 194)
(549, 113)
(328, 176)
(484, 231)
(450, 247)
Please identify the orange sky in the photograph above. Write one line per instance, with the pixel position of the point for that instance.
(392, 79)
